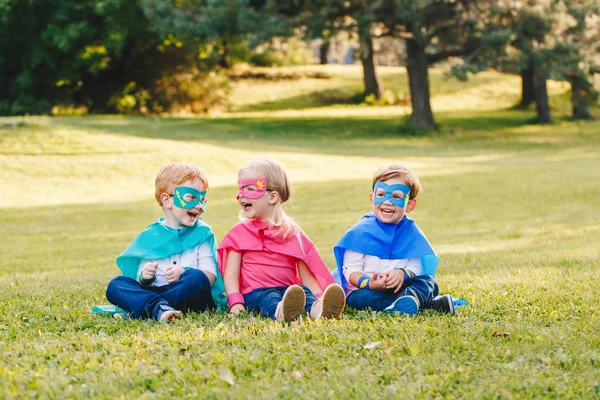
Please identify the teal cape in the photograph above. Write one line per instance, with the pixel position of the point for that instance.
(159, 241)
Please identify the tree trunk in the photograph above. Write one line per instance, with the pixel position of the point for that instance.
(418, 80)
(542, 105)
(527, 87)
(580, 99)
(324, 51)
(225, 61)
(372, 83)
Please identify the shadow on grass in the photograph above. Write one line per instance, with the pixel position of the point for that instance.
(322, 135)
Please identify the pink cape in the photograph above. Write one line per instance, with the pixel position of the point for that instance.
(255, 235)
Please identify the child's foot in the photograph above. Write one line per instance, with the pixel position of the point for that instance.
(292, 304)
(443, 304)
(166, 313)
(330, 305)
(404, 305)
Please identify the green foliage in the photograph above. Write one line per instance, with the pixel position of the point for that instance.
(290, 52)
(73, 52)
(191, 91)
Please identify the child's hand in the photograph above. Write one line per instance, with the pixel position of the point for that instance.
(377, 282)
(394, 280)
(149, 270)
(173, 273)
(237, 308)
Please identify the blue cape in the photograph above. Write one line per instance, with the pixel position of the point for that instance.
(386, 241)
(159, 241)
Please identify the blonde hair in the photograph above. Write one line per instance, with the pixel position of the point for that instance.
(172, 175)
(396, 170)
(277, 181)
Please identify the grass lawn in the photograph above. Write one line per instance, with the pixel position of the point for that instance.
(512, 209)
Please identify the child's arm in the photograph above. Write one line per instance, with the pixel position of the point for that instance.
(147, 273)
(206, 262)
(308, 279)
(354, 267)
(375, 282)
(231, 280)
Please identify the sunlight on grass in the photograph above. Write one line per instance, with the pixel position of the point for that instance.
(512, 209)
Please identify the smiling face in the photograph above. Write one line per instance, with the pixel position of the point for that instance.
(254, 204)
(387, 212)
(176, 217)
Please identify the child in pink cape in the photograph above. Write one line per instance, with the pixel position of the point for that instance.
(268, 263)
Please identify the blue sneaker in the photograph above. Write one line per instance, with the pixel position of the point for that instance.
(404, 305)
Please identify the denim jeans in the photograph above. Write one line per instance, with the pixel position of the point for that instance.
(422, 287)
(265, 300)
(191, 292)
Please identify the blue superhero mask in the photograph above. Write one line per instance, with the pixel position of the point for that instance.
(391, 193)
(187, 197)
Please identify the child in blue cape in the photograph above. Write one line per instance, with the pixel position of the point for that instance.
(384, 261)
(171, 266)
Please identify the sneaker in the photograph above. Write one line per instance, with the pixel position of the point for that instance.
(443, 304)
(404, 305)
(330, 305)
(167, 313)
(292, 304)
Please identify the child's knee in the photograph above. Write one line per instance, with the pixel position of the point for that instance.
(196, 278)
(119, 281)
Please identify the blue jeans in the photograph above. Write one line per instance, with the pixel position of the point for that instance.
(422, 287)
(265, 300)
(191, 292)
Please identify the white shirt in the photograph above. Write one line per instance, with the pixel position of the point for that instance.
(199, 257)
(369, 265)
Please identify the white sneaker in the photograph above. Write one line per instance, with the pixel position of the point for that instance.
(170, 315)
(330, 305)
(292, 304)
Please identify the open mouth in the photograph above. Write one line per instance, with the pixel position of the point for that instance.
(245, 205)
(193, 215)
(387, 212)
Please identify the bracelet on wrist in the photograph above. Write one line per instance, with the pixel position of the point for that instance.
(408, 275)
(363, 282)
(235, 298)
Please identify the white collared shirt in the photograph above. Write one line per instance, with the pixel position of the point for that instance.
(199, 257)
(369, 265)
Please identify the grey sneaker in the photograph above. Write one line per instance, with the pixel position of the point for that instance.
(166, 313)
(442, 304)
(330, 305)
(292, 304)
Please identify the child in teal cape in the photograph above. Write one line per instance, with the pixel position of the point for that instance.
(171, 266)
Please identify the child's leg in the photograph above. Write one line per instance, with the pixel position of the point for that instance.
(265, 300)
(330, 305)
(374, 299)
(310, 298)
(422, 287)
(190, 293)
(140, 303)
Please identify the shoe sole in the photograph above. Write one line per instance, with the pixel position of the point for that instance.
(293, 302)
(334, 301)
(170, 316)
(404, 305)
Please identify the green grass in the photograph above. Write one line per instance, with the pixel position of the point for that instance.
(511, 208)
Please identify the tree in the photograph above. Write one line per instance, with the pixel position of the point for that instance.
(323, 18)
(433, 30)
(71, 52)
(218, 25)
(578, 54)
